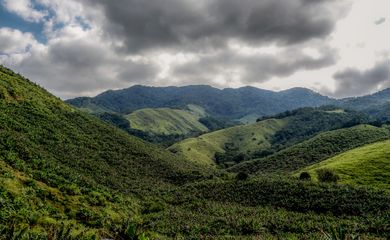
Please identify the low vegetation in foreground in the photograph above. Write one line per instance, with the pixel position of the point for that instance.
(65, 174)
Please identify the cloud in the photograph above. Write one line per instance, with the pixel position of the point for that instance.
(380, 21)
(247, 68)
(95, 45)
(75, 63)
(353, 82)
(203, 24)
(25, 9)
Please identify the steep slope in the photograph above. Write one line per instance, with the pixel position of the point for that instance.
(166, 121)
(246, 138)
(59, 144)
(314, 150)
(368, 165)
(226, 103)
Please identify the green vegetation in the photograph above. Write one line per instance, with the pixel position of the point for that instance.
(271, 208)
(368, 165)
(64, 174)
(246, 139)
(228, 104)
(269, 135)
(314, 150)
(166, 121)
(62, 150)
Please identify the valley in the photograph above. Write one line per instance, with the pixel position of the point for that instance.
(80, 173)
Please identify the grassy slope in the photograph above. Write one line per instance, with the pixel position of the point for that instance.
(166, 121)
(247, 138)
(61, 149)
(368, 165)
(314, 150)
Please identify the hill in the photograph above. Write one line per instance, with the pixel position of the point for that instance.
(367, 165)
(59, 164)
(269, 135)
(314, 150)
(166, 121)
(225, 104)
(244, 139)
(64, 174)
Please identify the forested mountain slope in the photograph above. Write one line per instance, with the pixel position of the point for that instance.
(227, 103)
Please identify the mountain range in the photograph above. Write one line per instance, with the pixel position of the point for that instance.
(308, 173)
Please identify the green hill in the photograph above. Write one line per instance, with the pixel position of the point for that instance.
(368, 165)
(65, 174)
(59, 164)
(246, 138)
(316, 149)
(166, 121)
(269, 135)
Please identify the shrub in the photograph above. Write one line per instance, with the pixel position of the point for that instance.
(327, 175)
(305, 176)
(241, 176)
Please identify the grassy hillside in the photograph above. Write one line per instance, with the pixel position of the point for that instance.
(368, 165)
(55, 148)
(166, 121)
(314, 150)
(246, 138)
(269, 135)
(66, 175)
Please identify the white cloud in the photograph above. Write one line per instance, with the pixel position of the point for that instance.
(25, 9)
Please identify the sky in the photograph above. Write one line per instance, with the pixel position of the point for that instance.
(338, 48)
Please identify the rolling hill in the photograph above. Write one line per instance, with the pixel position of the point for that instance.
(246, 138)
(314, 150)
(368, 165)
(166, 121)
(64, 174)
(269, 135)
(228, 103)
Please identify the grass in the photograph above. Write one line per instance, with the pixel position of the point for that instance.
(368, 165)
(66, 175)
(166, 121)
(314, 150)
(246, 138)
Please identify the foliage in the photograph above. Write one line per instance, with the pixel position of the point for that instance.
(327, 175)
(304, 176)
(227, 104)
(366, 165)
(314, 150)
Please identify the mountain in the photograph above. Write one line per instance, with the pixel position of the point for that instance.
(227, 103)
(367, 165)
(270, 134)
(314, 150)
(65, 174)
(376, 105)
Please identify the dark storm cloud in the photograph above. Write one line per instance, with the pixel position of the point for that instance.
(151, 24)
(352, 82)
(77, 67)
(254, 68)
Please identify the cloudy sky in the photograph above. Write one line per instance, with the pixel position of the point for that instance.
(83, 47)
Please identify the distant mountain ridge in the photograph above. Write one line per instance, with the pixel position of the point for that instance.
(226, 103)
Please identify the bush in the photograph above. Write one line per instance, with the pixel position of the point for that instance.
(327, 175)
(241, 176)
(305, 176)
